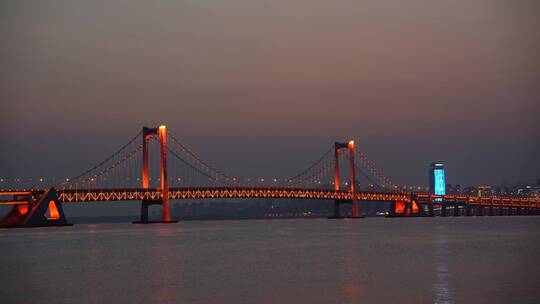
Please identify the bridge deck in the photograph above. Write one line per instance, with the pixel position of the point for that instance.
(221, 192)
(138, 194)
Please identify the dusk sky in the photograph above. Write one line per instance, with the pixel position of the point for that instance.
(263, 88)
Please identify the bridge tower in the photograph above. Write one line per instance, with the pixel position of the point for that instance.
(355, 210)
(147, 135)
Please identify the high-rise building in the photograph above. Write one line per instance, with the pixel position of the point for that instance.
(484, 190)
(437, 179)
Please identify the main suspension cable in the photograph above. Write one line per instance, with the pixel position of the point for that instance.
(69, 180)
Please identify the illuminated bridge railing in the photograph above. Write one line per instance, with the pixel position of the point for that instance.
(478, 200)
(138, 194)
(96, 195)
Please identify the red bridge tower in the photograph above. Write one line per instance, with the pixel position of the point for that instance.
(355, 210)
(147, 135)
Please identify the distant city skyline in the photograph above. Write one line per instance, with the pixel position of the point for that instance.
(263, 88)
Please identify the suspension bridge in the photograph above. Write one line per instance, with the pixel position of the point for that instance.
(154, 167)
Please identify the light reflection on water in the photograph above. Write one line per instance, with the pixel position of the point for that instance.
(275, 261)
(441, 286)
(164, 293)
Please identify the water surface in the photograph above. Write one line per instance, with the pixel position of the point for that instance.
(374, 260)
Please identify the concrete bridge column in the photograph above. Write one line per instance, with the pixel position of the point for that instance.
(456, 209)
(336, 208)
(479, 210)
(431, 213)
(443, 209)
(392, 209)
(468, 211)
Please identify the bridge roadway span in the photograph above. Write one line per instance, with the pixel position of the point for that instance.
(138, 194)
(35, 208)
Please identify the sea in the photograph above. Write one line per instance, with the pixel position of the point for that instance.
(370, 260)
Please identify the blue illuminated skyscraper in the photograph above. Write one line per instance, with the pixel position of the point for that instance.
(437, 179)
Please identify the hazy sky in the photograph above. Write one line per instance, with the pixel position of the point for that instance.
(264, 87)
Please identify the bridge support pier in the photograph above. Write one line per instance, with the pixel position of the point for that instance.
(468, 211)
(34, 212)
(144, 219)
(144, 211)
(336, 214)
(456, 209)
(479, 210)
(409, 208)
(392, 209)
(443, 210)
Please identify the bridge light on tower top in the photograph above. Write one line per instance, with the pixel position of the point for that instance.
(162, 129)
(351, 143)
